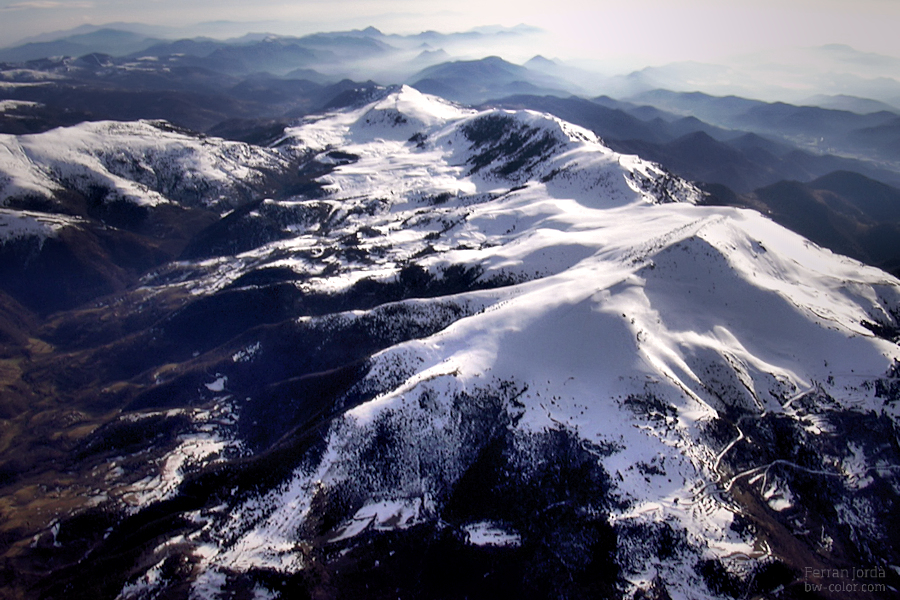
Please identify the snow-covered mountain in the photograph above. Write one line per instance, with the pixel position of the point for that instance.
(478, 353)
(144, 163)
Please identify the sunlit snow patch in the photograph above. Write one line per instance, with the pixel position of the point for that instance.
(487, 533)
(18, 224)
(218, 385)
(382, 516)
(208, 442)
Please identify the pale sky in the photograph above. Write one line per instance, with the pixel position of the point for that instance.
(660, 30)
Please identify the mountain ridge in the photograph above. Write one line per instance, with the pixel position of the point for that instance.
(457, 304)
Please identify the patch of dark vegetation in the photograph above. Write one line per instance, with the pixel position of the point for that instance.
(718, 579)
(167, 127)
(266, 276)
(294, 403)
(648, 542)
(182, 389)
(54, 551)
(115, 552)
(418, 139)
(284, 585)
(414, 281)
(719, 431)
(243, 229)
(550, 490)
(392, 116)
(769, 438)
(425, 561)
(665, 188)
(244, 477)
(212, 320)
(329, 508)
(728, 394)
(294, 214)
(438, 199)
(107, 207)
(75, 266)
(301, 372)
(875, 437)
(649, 406)
(304, 188)
(134, 434)
(331, 351)
(489, 129)
(431, 562)
(772, 576)
(90, 326)
(549, 176)
(506, 143)
(889, 332)
(806, 466)
(253, 225)
(547, 488)
(888, 387)
(656, 591)
(783, 440)
(207, 322)
(17, 325)
(743, 525)
(343, 157)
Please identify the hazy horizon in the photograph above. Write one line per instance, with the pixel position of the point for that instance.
(648, 31)
(788, 50)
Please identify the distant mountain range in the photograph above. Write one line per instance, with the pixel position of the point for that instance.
(874, 135)
(854, 104)
(105, 41)
(796, 75)
(475, 81)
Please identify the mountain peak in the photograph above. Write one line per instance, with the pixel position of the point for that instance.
(494, 60)
(539, 61)
(498, 147)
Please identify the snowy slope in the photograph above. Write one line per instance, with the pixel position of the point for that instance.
(17, 224)
(145, 163)
(695, 365)
(637, 324)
